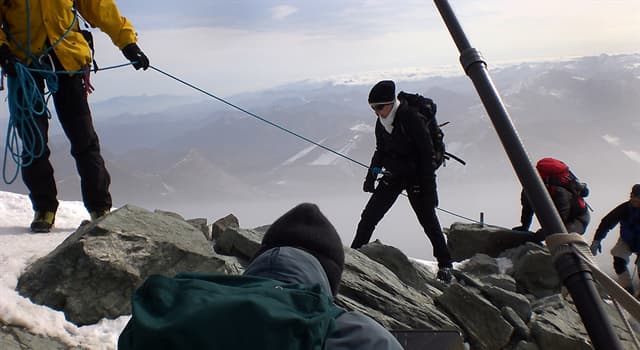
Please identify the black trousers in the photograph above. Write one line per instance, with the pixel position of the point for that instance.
(424, 204)
(75, 117)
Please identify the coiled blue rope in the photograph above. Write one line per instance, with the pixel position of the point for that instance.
(26, 103)
(25, 141)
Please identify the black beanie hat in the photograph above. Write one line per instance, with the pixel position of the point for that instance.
(305, 227)
(635, 190)
(383, 92)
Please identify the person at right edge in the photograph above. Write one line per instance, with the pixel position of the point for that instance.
(405, 150)
(627, 214)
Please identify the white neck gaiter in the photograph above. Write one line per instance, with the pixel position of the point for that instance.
(388, 121)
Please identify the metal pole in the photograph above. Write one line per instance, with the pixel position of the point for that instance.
(575, 275)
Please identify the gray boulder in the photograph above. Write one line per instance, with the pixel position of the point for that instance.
(409, 272)
(17, 338)
(481, 265)
(201, 224)
(218, 227)
(534, 273)
(94, 272)
(371, 288)
(501, 298)
(481, 321)
(556, 325)
(238, 242)
(466, 240)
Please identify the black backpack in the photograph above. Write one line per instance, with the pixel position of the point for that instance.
(427, 110)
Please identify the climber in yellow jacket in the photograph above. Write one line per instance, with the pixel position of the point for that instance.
(45, 34)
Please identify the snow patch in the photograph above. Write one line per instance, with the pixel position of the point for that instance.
(301, 154)
(633, 155)
(613, 140)
(362, 127)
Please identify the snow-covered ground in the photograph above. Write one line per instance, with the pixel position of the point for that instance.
(18, 248)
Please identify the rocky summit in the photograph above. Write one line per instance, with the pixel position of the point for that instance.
(505, 295)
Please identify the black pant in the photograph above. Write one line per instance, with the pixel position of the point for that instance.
(424, 204)
(75, 117)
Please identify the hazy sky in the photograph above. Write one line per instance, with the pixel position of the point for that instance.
(233, 46)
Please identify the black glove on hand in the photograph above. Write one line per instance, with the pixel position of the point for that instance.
(133, 53)
(369, 185)
(7, 61)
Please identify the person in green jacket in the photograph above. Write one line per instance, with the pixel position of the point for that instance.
(45, 34)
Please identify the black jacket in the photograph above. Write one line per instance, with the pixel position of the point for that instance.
(574, 218)
(407, 152)
(629, 219)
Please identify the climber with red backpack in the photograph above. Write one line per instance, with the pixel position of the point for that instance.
(567, 193)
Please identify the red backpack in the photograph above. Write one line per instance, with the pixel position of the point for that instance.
(555, 172)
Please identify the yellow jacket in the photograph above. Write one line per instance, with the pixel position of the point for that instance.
(50, 19)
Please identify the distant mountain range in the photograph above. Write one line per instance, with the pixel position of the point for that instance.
(176, 148)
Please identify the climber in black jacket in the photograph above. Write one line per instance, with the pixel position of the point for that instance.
(405, 151)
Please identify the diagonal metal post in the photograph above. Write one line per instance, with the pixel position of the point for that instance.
(575, 275)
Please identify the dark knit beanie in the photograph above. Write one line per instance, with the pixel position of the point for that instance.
(383, 92)
(305, 227)
(635, 190)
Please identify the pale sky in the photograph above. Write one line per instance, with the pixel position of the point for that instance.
(227, 47)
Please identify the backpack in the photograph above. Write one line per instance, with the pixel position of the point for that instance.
(205, 311)
(556, 173)
(426, 109)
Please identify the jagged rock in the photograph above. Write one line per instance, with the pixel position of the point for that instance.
(501, 298)
(481, 265)
(477, 317)
(396, 261)
(534, 273)
(519, 326)
(201, 224)
(525, 345)
(515, 254)
(468, 280)
(262, 229)
(367, 285)
(238, 242)
(218, 227)
(466, 240)
(556, 325)
(16, 338)
(169, 213)
(94, 272)
(503, 281)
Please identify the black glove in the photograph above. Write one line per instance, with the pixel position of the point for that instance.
(520, 228)
(369, 184)
(7, 60)
(133, 53)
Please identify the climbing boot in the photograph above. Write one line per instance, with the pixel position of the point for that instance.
(98, 214)
(43, 221)
(445, 274)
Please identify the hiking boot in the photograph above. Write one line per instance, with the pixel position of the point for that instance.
(43, 221)
(98, 214)
(445, 274)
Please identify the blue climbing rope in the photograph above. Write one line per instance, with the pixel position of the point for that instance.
(288, 131)
(26, 103)
(24, 141)
(257, 116)
(24, 112)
